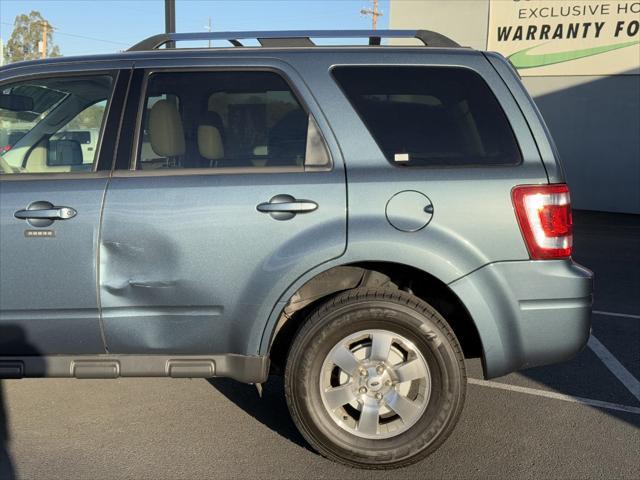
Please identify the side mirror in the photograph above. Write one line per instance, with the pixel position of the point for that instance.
(63, 153)
(16, 103)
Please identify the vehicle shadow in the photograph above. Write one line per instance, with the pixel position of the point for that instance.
(13, 341)
(6, 464)
(270, 410)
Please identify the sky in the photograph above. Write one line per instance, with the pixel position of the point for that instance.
(105, 26)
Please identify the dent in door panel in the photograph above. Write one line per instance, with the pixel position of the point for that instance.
(139, 293)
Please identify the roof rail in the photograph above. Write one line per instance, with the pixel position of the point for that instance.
(294, 38)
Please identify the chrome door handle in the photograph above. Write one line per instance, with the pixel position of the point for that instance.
(285, 207)
(56, 213)
(302, 206)
(43, 214)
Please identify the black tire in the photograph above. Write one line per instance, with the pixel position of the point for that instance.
(402, 314)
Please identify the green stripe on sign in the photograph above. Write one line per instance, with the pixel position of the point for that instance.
(523, 59)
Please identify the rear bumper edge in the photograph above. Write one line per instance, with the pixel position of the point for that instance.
(528, 313)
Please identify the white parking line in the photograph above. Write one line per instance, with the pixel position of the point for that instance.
(614, 314)
(612, 363)
(557, 396)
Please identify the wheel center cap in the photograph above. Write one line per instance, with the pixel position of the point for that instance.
(375, 383)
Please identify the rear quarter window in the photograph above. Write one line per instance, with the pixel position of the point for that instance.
(430, 116)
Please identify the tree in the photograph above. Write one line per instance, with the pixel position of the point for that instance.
(24, 43)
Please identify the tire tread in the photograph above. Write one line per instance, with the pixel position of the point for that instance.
(365, 294)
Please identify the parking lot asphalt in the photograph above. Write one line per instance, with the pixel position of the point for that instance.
(579, 419)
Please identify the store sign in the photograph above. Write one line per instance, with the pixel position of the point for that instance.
(561, 37)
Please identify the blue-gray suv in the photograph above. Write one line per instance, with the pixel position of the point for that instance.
(356, 218)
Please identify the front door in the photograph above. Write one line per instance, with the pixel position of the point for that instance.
(50, 201)
(232, 195)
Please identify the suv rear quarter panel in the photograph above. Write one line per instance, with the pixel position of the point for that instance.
(473, 224)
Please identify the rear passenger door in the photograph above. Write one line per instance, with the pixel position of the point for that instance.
(232, 189)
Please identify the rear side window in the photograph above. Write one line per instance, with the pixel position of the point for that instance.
(238, 119)
(430, 116)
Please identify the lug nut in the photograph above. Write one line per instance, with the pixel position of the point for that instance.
(380, 369)
(363, 372)
(363, 390)
(388, 383)
(379, 396)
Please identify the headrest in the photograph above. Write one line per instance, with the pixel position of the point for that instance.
(214, 119)
(165, 129)
(210, 142)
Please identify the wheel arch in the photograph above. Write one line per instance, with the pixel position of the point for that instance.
(292, 311)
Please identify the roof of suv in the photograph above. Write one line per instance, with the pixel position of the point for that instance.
(266, 40)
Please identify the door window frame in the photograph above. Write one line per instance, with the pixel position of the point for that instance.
(102, 166)
(141, 104)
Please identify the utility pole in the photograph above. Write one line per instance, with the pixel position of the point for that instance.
(374, 13)
(45, 29)
(170, 19)
(208, 27)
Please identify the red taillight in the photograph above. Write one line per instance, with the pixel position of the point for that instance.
(544, 215)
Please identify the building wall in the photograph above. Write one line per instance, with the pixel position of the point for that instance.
(465, 21)
(595, 120)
